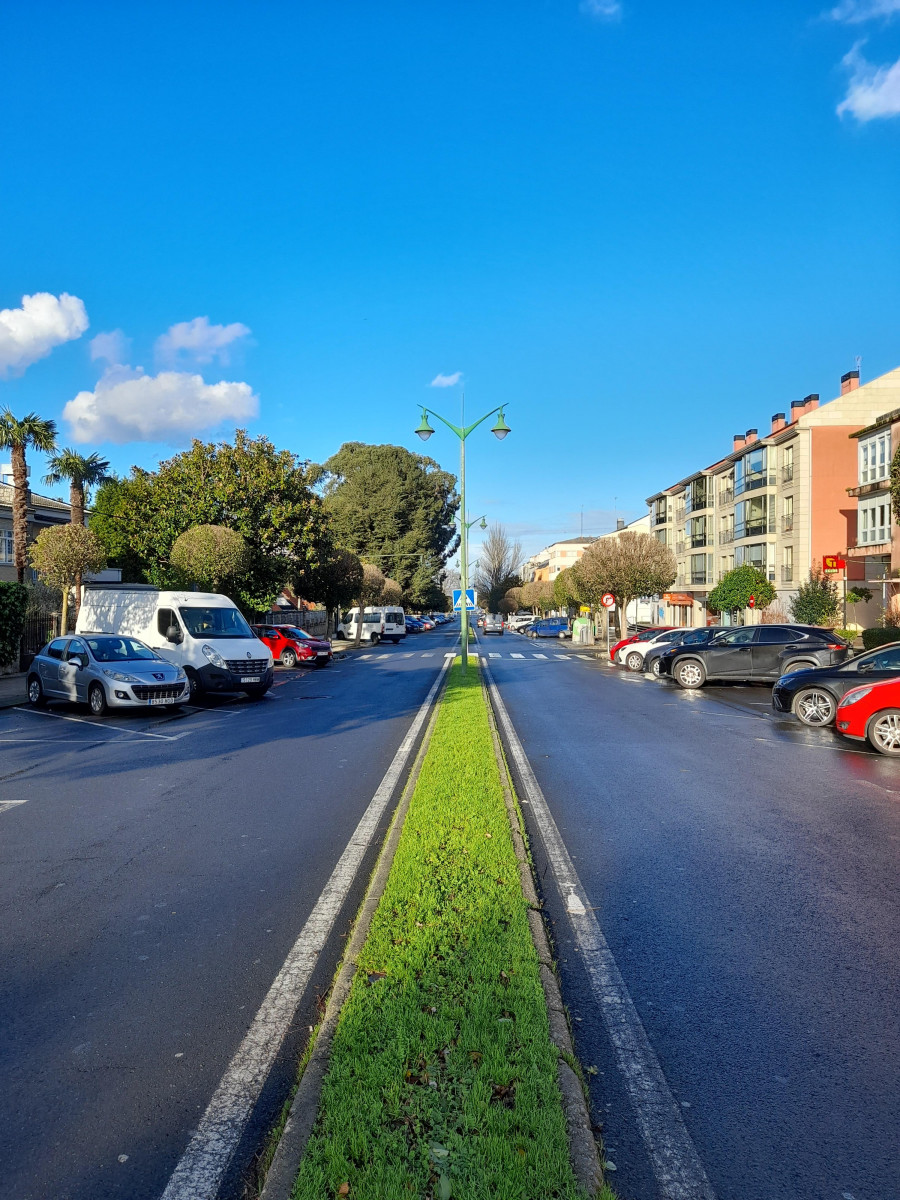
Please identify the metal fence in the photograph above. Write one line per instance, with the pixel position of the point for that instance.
(37, 632)
(315, 622)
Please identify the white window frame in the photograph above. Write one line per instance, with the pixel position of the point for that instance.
(874, 520)
(7, 546)
(875, 457)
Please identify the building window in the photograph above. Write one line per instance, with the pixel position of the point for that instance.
(787, 464)
(875, 457)
(751, 471)
(787, 517)
(751, 517)
(754, 554)
(875, 522)
(659, 511)
(662, 536)
(695, 531)
(698, 568)
(6, 546)
(787, 564)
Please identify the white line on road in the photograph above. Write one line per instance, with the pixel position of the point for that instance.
(164, 737)
(367, 656)
(204, 1162)
(517, 656)
(5, 805)
(493, 656)
(585, 657)
(428, 654)
(565, 656)
(676, 1164)
(539, 656)
(408, 654)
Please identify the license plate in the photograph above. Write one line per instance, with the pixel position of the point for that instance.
(249, 679)
(155, 700)
(321, 654)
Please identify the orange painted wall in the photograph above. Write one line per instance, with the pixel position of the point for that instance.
(833, 516)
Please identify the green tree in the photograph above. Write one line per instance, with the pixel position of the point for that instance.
(13, 609)
(565, 589)
(733, 591)
(817, 600)
(62, 554)
(17, 437)
(83, 473)
(629, 565)
(211, 556)
(335, 583)
(538, 596)
(262, 493)
(394, 508)
(858, 595)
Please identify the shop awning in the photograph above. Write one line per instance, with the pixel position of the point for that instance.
(679, 599)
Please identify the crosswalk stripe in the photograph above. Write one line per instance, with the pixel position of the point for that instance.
(493, 656)
(517, 656)
(584, 657)
(408, 654)
(562, 655)
(428, 654)
(367, 656)
(382, 656)
(539, 656)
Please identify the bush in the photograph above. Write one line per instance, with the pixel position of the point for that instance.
(817, 601)
(13, 607)
(879, 636)
(848, 635)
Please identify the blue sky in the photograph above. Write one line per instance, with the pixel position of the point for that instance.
(640, 226)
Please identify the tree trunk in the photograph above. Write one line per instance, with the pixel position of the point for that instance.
(359, 624)
(622, 603)
(64, 619)
(76, 504)
(20, 509)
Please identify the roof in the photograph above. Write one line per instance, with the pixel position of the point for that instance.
(886, 419)
(7, 492)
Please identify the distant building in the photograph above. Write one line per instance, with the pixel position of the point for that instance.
(546, 565)
(873, 556)
(43, 511)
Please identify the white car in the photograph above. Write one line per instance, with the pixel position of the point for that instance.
(632, 655)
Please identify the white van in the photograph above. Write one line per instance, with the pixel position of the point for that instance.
(387, 624)
(203, 632)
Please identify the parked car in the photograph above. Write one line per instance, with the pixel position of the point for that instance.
(203, 632)
(105, 671)
(493, 623)
(754, 654)
(633, 654)
(680, 637)
(518, 621)
(557, 627)
(872, 714)
(414, 625)
(379, 623)
(640, 635)
(813, 695)
(291, 645)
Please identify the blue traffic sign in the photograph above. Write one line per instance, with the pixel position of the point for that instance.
(457, 598)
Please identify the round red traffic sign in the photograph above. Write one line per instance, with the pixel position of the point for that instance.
(751, 603)
(607, 599)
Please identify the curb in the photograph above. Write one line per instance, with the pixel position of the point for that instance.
(285, 1166)
(583, 1153)
(8, 700)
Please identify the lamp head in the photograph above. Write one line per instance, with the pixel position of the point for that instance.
(500, 429)
(423, 429)
(483, 524)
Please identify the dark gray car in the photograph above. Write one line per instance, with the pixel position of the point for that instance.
(105, 671)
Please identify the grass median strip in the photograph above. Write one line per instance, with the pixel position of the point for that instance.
(442, 1079)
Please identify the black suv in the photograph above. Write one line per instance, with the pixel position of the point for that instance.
(755, 654)
(814, 695)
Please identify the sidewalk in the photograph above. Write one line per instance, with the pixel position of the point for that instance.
(12, 690)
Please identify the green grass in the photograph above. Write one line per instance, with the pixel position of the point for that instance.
(442, 1080)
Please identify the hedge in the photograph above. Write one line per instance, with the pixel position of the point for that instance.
(880, 636)
(13, 606)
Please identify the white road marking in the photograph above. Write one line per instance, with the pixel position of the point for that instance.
(493, 656)
(367, 656)
(199, 1173)
(539, 656)
(517, 656)
(164, 737)
(383, 656)
(408, 654)
(5, 805)
(428, 654)
(585, 657)
(676, 1165)
(566, 656)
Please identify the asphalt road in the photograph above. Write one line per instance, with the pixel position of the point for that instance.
(154, 874)
(744, 871)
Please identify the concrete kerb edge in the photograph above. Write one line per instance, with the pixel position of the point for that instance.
(285, 1166)
(583, 1152)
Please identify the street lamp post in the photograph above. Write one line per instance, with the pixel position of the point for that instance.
(499, 429)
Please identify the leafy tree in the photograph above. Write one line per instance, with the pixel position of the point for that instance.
(395, 508)
(817, 600)
(210, 556)
(538, 596)
(62, 554)
(497, 562)
(858, 595)
(262, 493)
(13, 609)
(391, 593)
(733, 591)
(83, 473)
(513, 599)
(565, 589)
(629, 565)
(17, 437)
(369, 593)
(335, 583)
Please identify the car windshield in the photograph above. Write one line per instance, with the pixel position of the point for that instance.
(299, 635)
(215, 623)
(118, 649)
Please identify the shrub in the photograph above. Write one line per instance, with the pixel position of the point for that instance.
(848, 635)
(13, 607)
(733, 591)
(210, 555)
(817, 601)
(878, 636)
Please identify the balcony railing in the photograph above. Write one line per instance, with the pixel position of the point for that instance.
(875, 537)
(693, 504)
(745, 529)
(726, 495)
(749, 483)
(726, 536)
(787, 473)
(787, 574)
(659, 519)
(787, 523)
(699, 577)
(679, 515)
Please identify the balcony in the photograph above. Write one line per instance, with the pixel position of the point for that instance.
(659, 519)
(745, 529)
(694, 504)
(787, 574)
(700, 577)
(679, 515)
(726, 495)
(750, 483)
(787, 523)
(787, 473)
(726, 537)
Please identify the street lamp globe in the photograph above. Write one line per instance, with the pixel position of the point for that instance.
(501, 429)
(423, 429)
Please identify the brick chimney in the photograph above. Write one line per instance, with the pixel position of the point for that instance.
(739, 441)
(751, 436)
(778, 422)
(797, 409)
(849, 382)
(811, 401)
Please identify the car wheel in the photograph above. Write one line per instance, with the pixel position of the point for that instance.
(396, 641)
(256, 693)
(690, 674)
(36, 697)
(799, 665)
(288, 658)
(374, 639)
(562, 635)
(813, 706)
(634, 661)
(97, 700)
(340, 635)
(883, 732)
(656, 668)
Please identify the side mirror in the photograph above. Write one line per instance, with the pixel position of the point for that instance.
(864, 668)
(82, 661)
(173, 634)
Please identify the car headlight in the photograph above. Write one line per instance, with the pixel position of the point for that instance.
(179, 674)
(852, 697)
(121, 677)
(214, 656)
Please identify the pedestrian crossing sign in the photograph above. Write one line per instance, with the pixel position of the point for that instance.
(457, 599)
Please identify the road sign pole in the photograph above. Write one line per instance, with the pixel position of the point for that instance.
(464, 551)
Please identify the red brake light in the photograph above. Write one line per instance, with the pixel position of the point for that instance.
(834, 646)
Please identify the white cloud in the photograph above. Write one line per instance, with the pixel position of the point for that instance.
(605, 10)
(112, 347)
(446, 380)
(129, 406)
(855, 12)
(31, 332)
(198, 341)
(873, 91)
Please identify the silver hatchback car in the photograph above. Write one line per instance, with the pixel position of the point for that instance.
(105, 671)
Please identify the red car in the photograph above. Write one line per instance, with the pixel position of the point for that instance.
(644, 636)
(872, 714)
(291, 646)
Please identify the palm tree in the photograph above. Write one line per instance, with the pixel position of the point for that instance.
(83, 473)
(17, 436)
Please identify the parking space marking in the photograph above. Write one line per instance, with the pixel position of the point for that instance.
(6, 805)
(165, 737)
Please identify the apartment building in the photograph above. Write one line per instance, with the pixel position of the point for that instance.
(42, 512)
(546, 565)
(873, 556)
(778, 501)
